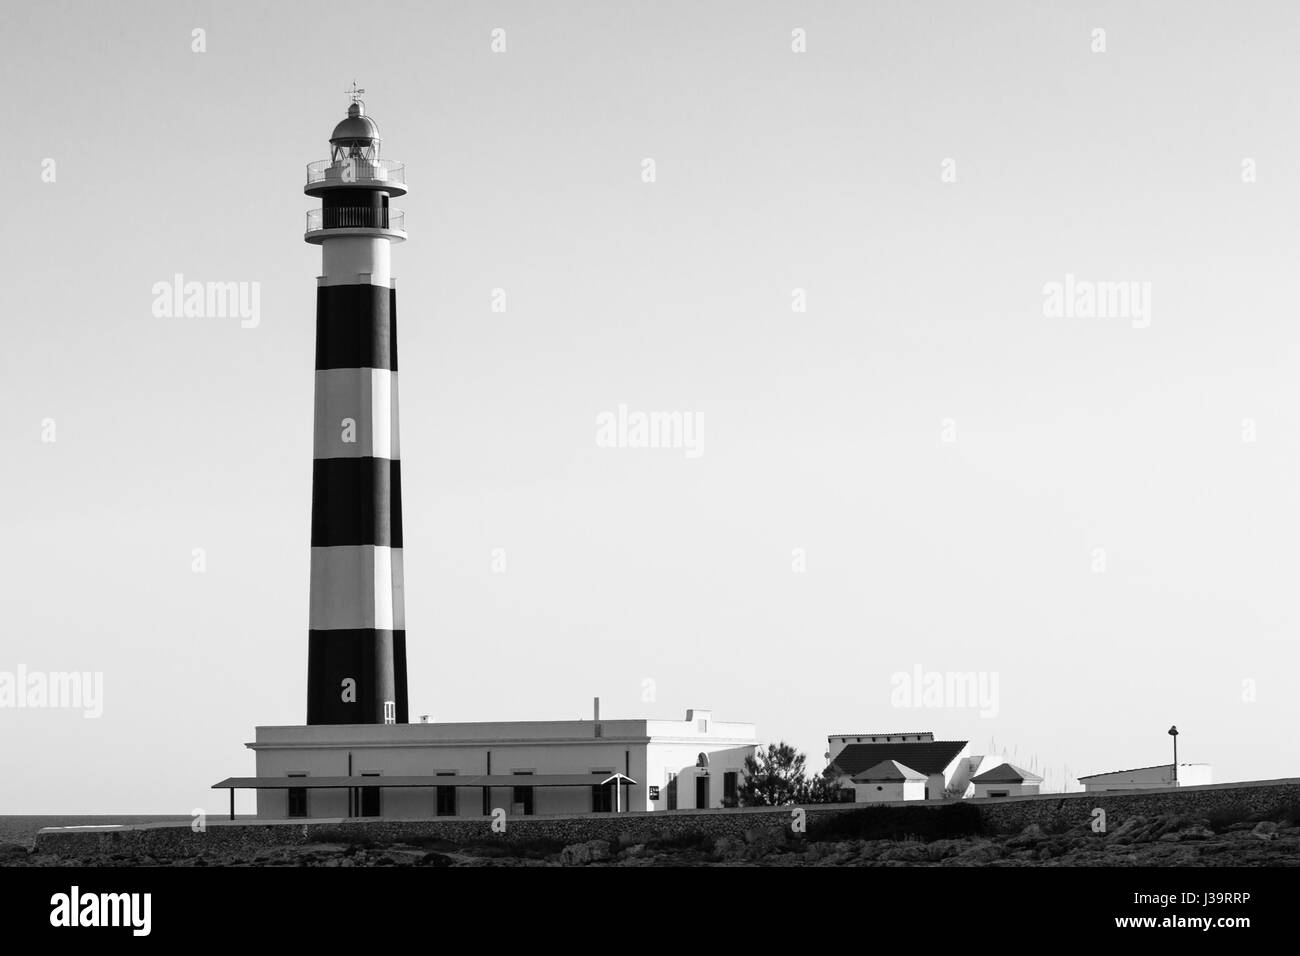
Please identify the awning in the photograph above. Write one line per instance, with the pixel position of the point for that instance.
(487, 780)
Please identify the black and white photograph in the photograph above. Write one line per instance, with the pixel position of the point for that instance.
(841, 450)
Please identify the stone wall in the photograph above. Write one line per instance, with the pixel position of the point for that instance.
(1006, 814)
(172, 840)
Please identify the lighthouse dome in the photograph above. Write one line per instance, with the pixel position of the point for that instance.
(357, 128)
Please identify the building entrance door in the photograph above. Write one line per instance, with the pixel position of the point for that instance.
(370, 799)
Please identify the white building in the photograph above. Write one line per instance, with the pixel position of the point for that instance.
(888, 780)
(838, 742)
(1005, 780)
(944, 764)
(1149, 778)
(971, 766)
(409, 771)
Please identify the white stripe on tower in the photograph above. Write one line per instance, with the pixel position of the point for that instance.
(348, 260)
(356, 587)
(356, 413)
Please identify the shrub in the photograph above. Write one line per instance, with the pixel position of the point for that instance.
(925, 824)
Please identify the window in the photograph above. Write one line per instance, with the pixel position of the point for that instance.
(999, 793)
(446, 797)
(297, 799)
(390, 712)
(602, 795)
(704, 725)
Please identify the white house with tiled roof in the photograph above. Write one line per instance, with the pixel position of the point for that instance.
(886, 781)
(948, 766)
(945, 764)
(1005, 780)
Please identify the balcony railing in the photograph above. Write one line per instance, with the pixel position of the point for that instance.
(356, 217)
(357, 170)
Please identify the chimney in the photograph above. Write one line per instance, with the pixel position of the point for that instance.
(595, 704)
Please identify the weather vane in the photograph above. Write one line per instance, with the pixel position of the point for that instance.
(355, 92)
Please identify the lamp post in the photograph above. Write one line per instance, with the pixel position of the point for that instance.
(1173, 732)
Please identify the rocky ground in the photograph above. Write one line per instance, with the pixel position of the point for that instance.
(1138, 841)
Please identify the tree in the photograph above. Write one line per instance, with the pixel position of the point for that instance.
(773, 777)
(821, 788)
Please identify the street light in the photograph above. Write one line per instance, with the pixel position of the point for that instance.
(1173, 732)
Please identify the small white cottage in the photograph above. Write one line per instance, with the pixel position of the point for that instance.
(888, 780)
(1006, 780)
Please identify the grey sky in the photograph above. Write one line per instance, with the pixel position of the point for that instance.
(824, 429)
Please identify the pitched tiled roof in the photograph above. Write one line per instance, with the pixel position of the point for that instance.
(1006, 773)
(926, 757)
(888, 771)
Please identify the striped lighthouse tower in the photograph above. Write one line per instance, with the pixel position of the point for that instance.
(356, 659)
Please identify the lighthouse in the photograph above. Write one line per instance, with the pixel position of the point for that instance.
(340, 764)
(356, 657)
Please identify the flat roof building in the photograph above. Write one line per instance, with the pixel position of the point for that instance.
(472, 769)
(1149, 778)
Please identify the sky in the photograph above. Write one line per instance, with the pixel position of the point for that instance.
(840, 268)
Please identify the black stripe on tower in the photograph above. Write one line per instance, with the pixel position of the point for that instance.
(356, 501)
(365, 657)
(354, 208)
(356, 326)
